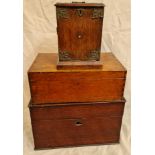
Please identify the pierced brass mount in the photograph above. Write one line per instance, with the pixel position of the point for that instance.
(92, 55)
(63, 13)
(98, 13)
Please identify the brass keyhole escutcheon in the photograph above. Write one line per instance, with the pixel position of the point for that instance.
(80, 12)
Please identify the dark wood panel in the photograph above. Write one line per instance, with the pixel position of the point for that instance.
(72, 132)
(74, 124)
(76, 110)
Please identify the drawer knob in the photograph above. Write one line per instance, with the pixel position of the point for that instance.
(78, 123)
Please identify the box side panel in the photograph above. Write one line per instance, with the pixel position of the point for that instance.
(63, 126)
(74, 87)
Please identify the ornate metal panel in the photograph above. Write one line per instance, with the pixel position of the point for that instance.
(64, 56)
(98, 13)
(80, 12)
(94, 55)
(62, 13)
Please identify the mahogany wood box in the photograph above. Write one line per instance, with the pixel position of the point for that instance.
(76, 124)
(49, 85)
(79, 28)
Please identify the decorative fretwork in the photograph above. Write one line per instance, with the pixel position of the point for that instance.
(62, 13)
(98, 13)
(80, 12)
(94, 55)
(64, 56)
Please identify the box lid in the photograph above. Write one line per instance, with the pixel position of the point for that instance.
(79, 4)
(47, 62)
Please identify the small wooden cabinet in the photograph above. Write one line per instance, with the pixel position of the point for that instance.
(79, 27)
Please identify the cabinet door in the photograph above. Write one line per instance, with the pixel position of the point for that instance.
(79, 33)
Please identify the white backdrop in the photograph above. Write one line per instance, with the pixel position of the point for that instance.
(40, 37)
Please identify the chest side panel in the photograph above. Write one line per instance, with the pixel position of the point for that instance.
(76, 110)
(74, 124)
(60, 133)
(74, 87)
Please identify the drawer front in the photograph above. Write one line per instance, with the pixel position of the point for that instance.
(74, 132)
(77, 110)
(74, 87)
(76, 28)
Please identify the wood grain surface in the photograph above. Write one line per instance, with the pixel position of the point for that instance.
(47, 84)
(79, 33)
(68, 65)
(72, 124)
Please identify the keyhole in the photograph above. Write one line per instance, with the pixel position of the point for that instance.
(78, 123)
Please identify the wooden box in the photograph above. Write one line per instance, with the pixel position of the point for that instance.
(79, 28)
(75, 124)
(49, 85)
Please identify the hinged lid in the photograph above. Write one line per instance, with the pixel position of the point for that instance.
(46, 62)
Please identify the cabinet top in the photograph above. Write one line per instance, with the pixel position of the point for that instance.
(80, 4)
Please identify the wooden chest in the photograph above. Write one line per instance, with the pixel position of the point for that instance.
(74, 124)
(49, 85)
(79, 28)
